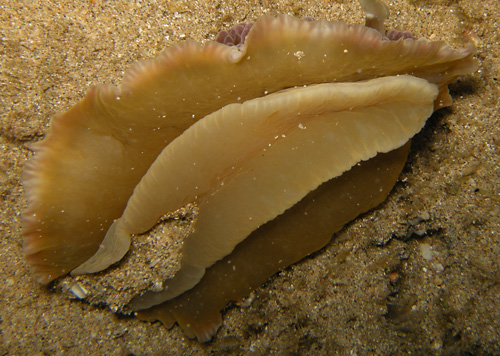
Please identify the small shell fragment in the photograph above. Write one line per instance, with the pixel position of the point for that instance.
(78, 290)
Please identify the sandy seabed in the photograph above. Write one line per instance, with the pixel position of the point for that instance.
(418, 274)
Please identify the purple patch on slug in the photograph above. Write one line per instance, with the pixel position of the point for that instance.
(235, 36)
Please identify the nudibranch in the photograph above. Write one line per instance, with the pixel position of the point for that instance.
(299, 127)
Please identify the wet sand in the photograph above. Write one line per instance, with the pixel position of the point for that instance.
(418, 274)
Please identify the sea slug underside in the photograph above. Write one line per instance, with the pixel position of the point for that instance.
(284, 146)
(301, 230)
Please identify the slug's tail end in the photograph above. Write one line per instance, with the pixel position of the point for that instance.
(203, 327)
